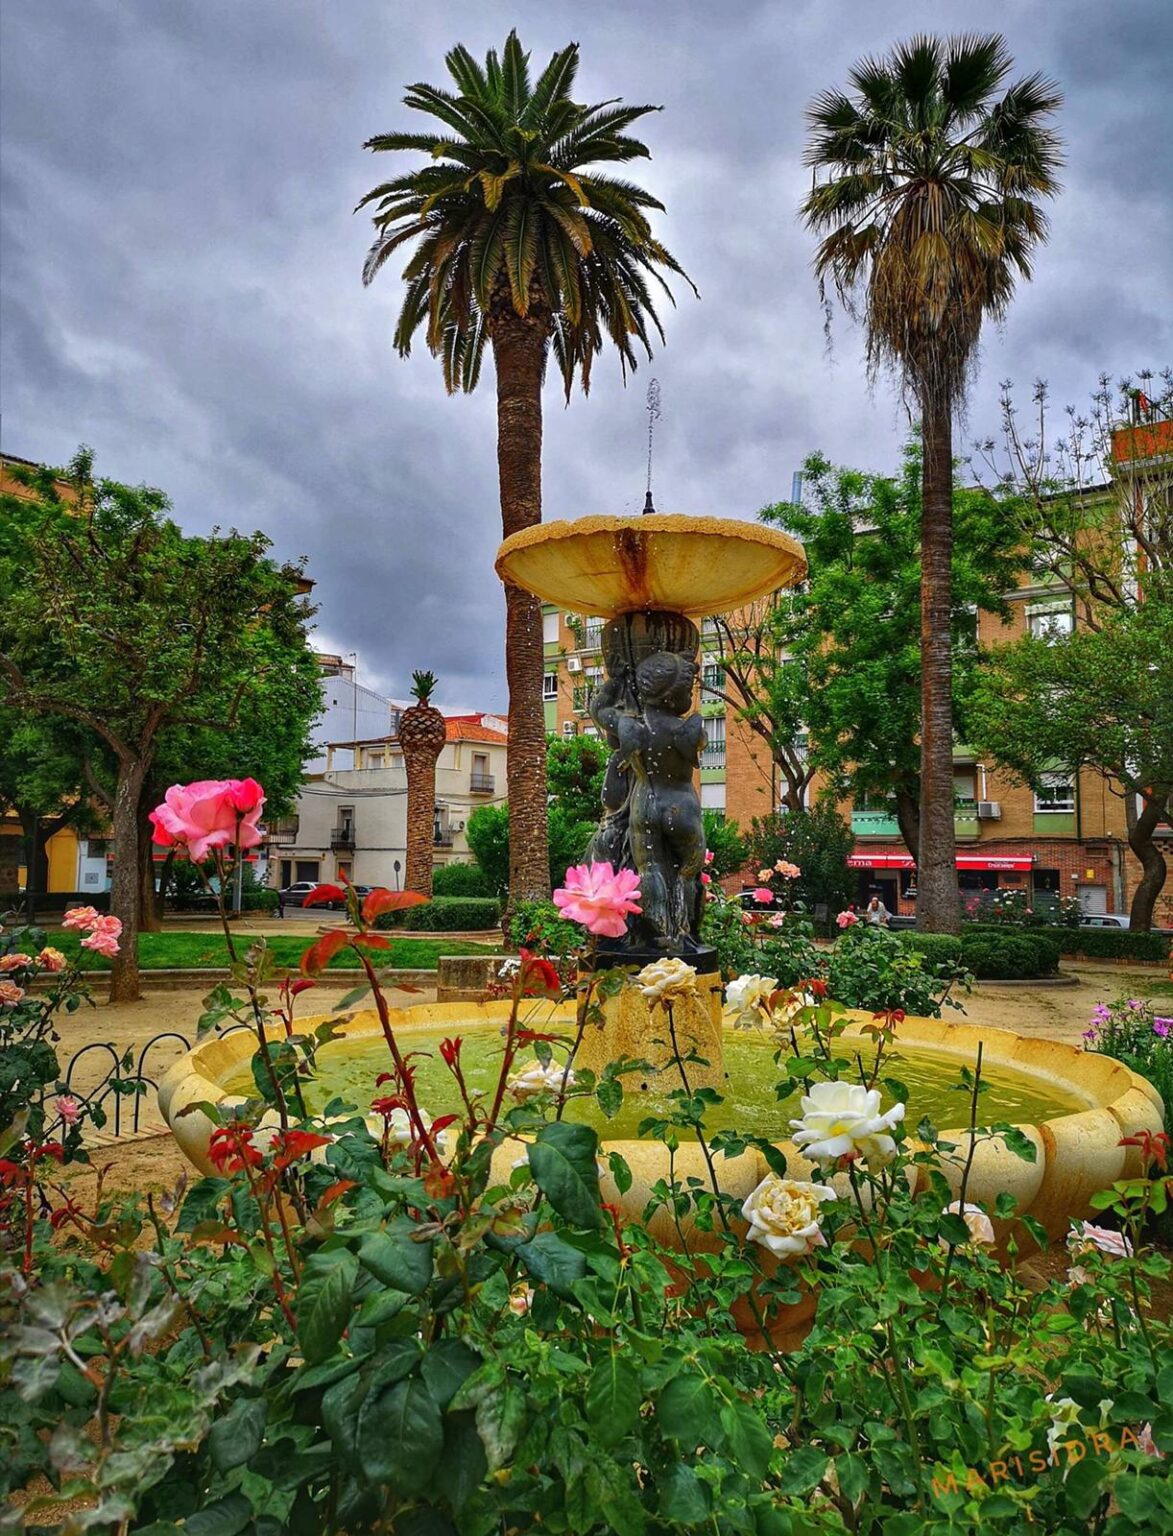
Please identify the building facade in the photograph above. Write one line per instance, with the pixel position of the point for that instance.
(351, 822)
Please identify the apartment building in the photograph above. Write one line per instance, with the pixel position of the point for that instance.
(352, 820)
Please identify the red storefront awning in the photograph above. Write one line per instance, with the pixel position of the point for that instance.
(869, 858)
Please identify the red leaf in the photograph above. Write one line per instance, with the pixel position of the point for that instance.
(319, 954)
(443, 1123)
(373, 940)
(334, 1192)
(383, 900)
(296, 1144)
(297, 987)
(324, 893)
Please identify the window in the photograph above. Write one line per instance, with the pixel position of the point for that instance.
(550, 628)
(1056, 793)
(374, 759)
(307, 869)
(713, 755)
(1050, 623)
(569, 728)
(594, 634)
(550, 685)
(346, 822)
(712, 677)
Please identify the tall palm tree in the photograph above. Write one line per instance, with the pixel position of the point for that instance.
(521, 247)
(927, 190)
(422, 734)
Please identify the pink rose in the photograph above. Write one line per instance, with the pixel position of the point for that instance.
(707, 879)
(16, 962)
(1084, 1236)
(847, 920)
(763, 895)
(708, 856)
(981, 1228)
(80, 917)
(599, 898)
(103, 936)
(778, 920)
(787, 870)
(68, 1108)
(764, 874)
(10, 993)
(52, 960)
(211, 813)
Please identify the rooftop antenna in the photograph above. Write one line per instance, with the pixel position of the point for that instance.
(653, 410)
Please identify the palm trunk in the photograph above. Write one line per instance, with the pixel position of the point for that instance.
(519, 350)
(126, 884)
(1141, 826)
(421, 813)
(938, 902)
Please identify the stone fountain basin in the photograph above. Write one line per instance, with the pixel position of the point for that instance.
(1078, 1153)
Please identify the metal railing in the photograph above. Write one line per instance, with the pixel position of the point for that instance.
(481, 783)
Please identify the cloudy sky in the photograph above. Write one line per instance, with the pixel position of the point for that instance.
(180, 273)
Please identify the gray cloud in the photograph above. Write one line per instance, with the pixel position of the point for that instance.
(180, 274)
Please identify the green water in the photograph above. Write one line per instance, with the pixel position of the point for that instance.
(348, 1069)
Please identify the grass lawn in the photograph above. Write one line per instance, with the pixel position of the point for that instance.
(174, 951)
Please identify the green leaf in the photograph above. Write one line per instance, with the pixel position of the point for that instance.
(683, 1497)
(686, 1409)
(447, 1366)
(394, 1258)
(620, 1171)
(552, 1260)
(236, 1438)
(747, 1440)
(610, 1096)
(852, 1472)
(464, 1461)
(500, 1411)
(563, 1163)
(224, 1518)
(612, 1399)
(1083, 1484)
(203, 1202)
(323, 1302)
(803, 1470)
(1137, 1498)
(400, 1435)
(340, 1409)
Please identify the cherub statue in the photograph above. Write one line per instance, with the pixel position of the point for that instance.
(659, 746)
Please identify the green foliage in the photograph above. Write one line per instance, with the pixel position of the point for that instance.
(724, 841)
(819, 842)
(1139, 1033)
(872, 968)
(509, 214)
(575, 768)
(446, 914)
(487, 831)
(459, 880)
(541, 924)
(1011, 956)
(851, 634)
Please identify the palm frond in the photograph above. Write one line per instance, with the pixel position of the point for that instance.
(470, 78)
(515, 77)
(554, 82)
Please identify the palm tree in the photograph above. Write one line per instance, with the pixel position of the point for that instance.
(422, 734)
(927, 194)
(519, 246)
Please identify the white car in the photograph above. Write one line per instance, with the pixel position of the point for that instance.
(1103, 920)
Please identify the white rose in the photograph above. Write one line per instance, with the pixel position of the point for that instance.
(783, 1215)
(1083, 1237)
(981, 1228)
(540, 1079)
(1064, 1418)
(665, 979)
(401, 1127)
(844, 1120)
(746, 992)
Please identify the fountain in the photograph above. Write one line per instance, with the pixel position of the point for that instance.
(650, 578)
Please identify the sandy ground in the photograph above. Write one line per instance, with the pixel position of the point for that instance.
(151, 1160)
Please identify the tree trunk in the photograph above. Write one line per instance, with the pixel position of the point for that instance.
(421, 817)
(1141, 826)
(519, 350)
(938, 902)
(125, 886)
(908, 819)
(149, 914)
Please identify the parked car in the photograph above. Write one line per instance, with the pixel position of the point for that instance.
(294, 895)
(1103, 920)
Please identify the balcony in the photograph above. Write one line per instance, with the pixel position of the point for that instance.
(879, 823)
(481, 784)
(284, 829)
(580, 702)
(342, 839)
(965, 820)
(442, 837)
(713, 758)
(593, 637)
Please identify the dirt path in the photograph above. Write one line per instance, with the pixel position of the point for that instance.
(1057, 1012)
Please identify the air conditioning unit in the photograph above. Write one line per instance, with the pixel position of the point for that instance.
(989, 810)
(574, 664)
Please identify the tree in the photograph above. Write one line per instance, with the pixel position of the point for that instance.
(120, 622)
(422, 734)
(927, 196)
(819, 841)
(575, 767)
(521, 246)
(1100, 698)
(42, 781)
(488, 834)
(832, 677)
(724, 841)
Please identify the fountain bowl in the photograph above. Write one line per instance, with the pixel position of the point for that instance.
(607, 566)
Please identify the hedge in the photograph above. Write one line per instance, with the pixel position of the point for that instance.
(447, 914)
(1095, 943)
(460, 880)
(992, 954)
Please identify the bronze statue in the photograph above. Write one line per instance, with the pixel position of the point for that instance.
(651, 810)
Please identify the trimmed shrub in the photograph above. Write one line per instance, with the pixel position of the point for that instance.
(1099, 943)
(460, 880)
(1009, 956)
(935, 946)
(446, 914)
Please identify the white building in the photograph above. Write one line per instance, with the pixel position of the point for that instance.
(353, 821)
(350, 712)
